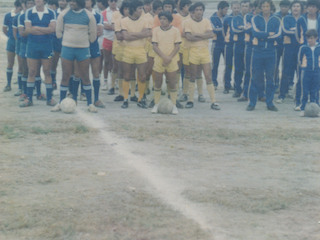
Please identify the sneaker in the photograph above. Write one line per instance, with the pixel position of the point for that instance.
(119, 98)
(56, 108)
(92, 108)
(215, 106)
(111, 91)
(226, 91)
(7, 89)
(163, 93)
(125, 104)
(142, 103)
(42, 97)
(262, 99)
(242, 99)
(18, 93)
(174, 110)
(22, 97)
(201, 98)
(280, 100)
(183, 98)
(148, 91)
(151, 104)
(179, 105)
(134, 99)
(26, 103)
(155, 108)
(297, 108)
(189, 105)
(104, 86)
(272, 108)
(83, 97)
(250, 108)
(51, 103)
(99, 104)
(236, 95)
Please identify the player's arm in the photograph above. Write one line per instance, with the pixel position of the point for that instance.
(92, 29)
(108, 26)
(204, 36)
(59, 26)
(47, 30)
(132, 36)
(5, 30)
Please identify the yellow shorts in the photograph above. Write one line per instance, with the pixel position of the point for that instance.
(185, 57)
(134, 55)
(149, 50)
(172, 67)
(119, 53)
(199, 56)
(115, 47)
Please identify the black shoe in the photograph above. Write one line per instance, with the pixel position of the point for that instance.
(183, 98)
(215, 106)
(133, 99)
(226, 91)
(189, 105)
(148, 91)
(273, 108)
(250, 108)
(236, 95)
(242, 99)
(179, 105)
(151, 104)
(111, 91)
(118, 98)
(142, 103)
(125, 104)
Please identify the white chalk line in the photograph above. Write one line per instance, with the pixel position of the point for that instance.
(167, 191)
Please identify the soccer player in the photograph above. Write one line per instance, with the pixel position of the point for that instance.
(166, 40)
(218, 38)
(78, 28)
(7, 30)
(40, 23)
(198, 31)
(266, 29)
(135, 33)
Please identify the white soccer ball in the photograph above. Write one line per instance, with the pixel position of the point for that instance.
(68, 105)
(165, 106)
(311, 110)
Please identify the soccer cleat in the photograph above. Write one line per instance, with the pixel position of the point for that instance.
(125, 104)
(83, 97)
(111, 91)
(92, 109)
(118, 98)
(51, 103)
(250, 108)
(99, 104)
(183, 98)
(42, 97)
(272, 108)
(179, 105)
(104, 86)
(26, 103)
(22, 97)
(151, 104)
(155, 109)
(7, 89)
(175, 110)
(297, 108)
(18, 93)
(189, 105)
(242, 99)
(215, 106)
(236, 95)
(56, 108)
(142, 103)
(201, 98)
(280, 100)
(133, 99)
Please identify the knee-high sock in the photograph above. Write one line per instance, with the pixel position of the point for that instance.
(75, 87)
(96, 88)
(53, 76)
(200, 86)
(192, 87)
(157, 95)
(173, 96)
(126, 86)
(38, 85)
(9, 76)
(63, 92)
(19, 80)
(186, 81)
(49, 91)
(210, 89)
(30, 87)
(141, 88)
(88, 92)
(24, 84)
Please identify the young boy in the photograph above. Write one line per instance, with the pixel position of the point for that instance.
(166, 40)
(309, 56)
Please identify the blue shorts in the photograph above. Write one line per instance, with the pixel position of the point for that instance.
(72, 54)
(57, 45)
(17, 50)
(95, 50)
(41, 50)
(11, 45)
(23, 50)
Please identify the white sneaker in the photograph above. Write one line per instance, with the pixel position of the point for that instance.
(280, 100)
(56, 108)
(92, 108)
(298, 109)
(104, 86)
(175, 110)
(155, 108)
(83, 97)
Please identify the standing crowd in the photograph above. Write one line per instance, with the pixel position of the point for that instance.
(140, 41)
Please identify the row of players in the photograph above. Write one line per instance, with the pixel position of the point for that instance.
(131, 50)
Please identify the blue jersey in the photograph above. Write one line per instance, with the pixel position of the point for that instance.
(289, 27)
(99, 19)
(227, 31)
(302, 27)
(309, 58)
(217, 26)
(21, 25)
(8, 21)
(15, 25)
(248, 28)
(35, 18)
(237, 26)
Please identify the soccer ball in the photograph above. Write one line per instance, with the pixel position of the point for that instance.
(311, 110)
(68, 105)
(165, 106)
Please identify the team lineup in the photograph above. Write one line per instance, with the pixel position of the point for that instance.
(141, 41)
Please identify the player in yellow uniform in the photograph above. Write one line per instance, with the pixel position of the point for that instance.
(198, 31)
(166, 40)
(135, 32)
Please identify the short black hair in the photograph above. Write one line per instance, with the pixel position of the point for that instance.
(184, 3)
(245, 1)
(169, 2)
(104, 2)
(53, 2)
(147, 2)
(17, 3)
(256, 3)
(125, 4)
(80, 3)
(311, 33)
(297, 2)
(93, 2)
(223, 4)
(156, 4)
(195, 5)
(284, 3)
(313, 3)
(134, 4)
(167, 15)
(272, 7)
